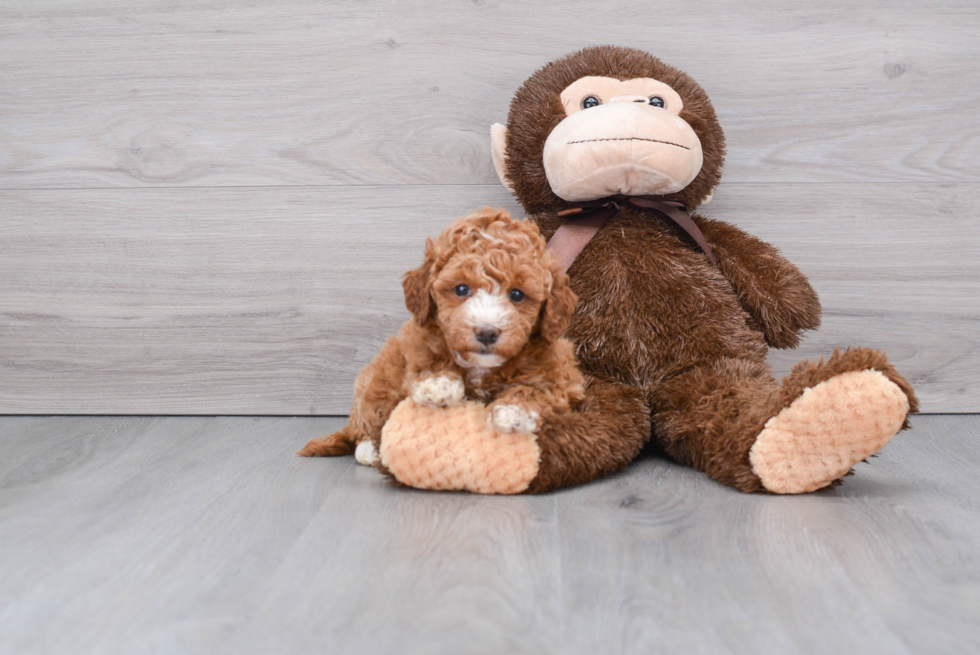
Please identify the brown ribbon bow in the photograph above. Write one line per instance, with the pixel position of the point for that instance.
(584, 219)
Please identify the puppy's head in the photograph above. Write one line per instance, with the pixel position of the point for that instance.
(490, 285)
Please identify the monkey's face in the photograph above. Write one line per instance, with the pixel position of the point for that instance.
(620, 137)
(608, 121)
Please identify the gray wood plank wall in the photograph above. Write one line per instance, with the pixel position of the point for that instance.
(205, 206)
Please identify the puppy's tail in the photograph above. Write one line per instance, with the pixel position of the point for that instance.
(337, 444)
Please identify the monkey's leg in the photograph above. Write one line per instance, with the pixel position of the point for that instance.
(603, 435)
(378, 389)
(732, 420)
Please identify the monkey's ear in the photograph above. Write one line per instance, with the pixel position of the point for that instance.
(418, 295)
(558, 309)
(707, 199)
(498, 151)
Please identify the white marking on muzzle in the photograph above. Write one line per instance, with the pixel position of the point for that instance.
(486, 361)
(477, 363)
(485, 309)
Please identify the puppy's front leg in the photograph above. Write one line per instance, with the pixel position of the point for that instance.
(443, 389)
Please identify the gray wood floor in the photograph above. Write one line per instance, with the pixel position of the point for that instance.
(206, 535)
(205, 205)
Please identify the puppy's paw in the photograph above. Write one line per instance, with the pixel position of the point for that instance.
(513, 418)
(365, 453)
(439, 391)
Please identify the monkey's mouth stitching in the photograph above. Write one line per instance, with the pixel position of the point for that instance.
(629, 138)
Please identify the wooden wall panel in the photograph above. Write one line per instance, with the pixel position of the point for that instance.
(205, 206)
(268, 301)
(98, 93)
(201, 301)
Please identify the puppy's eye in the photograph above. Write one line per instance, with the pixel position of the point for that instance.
(516, 295)
(590, 101)
(657, 101)
(461, 290)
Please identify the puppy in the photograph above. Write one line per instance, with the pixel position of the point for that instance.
(489, 308)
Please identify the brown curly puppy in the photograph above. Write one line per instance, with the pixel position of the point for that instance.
(490, 306)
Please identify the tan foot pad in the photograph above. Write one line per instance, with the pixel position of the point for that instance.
(453, 448)
(827, 430)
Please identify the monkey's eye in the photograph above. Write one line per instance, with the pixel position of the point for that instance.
(590, 101)
(461, 290)
(657, 101)
(516, 295)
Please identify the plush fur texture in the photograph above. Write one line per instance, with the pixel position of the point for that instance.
(828, 429)
(447, 448)
(656, 315)
(623, 145)
(603, 435)
(527, 377)
(454, 448)
(537, 109)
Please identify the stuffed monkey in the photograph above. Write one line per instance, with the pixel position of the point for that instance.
(609, 150)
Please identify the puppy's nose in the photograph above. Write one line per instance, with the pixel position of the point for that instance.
(487, 334)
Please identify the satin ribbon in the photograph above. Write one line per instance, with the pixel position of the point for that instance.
(584, 219)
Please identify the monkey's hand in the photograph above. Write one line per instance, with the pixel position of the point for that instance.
(771, 289)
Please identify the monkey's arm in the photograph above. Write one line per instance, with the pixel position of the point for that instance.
(773, 291)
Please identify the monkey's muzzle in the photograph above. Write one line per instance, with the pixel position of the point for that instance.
(621, 149)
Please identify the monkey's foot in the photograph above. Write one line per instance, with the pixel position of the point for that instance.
(826, 430)
(454, 448)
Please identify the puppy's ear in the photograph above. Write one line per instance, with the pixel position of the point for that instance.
(558, 308)
(418, 294)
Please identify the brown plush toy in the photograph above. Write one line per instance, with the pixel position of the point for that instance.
(607, 149)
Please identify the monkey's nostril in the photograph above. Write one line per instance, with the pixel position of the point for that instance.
(486, 334)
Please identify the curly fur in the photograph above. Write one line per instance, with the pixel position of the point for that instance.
(492, 253)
